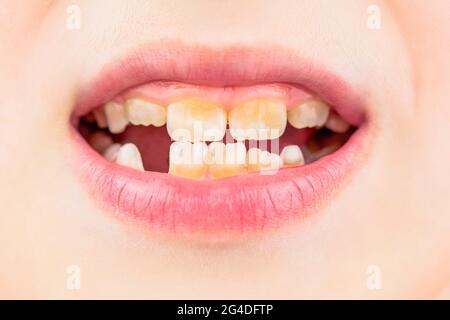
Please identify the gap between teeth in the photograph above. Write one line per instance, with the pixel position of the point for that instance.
(216, 160)
(244, 120)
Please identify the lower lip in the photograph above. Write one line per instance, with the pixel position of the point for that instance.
(247, 203)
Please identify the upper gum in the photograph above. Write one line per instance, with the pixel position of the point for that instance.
(227, 98)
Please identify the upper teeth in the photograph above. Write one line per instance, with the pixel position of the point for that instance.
(196, 120)
(311, 113)
(116, 117)
(336, 124)
(142, 112)
(258, 120)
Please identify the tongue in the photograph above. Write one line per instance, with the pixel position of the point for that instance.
(154, 143)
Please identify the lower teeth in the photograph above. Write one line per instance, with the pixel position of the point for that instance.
(218, 160)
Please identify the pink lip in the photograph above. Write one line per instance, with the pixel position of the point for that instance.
(245, 203)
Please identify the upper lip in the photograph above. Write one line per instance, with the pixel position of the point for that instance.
(261, 201)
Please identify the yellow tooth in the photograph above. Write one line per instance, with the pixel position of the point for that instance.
(141, 112)
(226, 160)
(129, 156)
(116, 117)
(258, 120)
(336, 124)
(292, 155)
(258, 160)
(196, 120)
(188, 159)
(310, 114)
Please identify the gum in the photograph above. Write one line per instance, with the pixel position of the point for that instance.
(167, 92)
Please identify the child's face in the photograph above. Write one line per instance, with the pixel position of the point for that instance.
(368, 220)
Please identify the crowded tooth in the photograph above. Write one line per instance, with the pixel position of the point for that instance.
(336, 124)
(292, 155)
(188, 159)
(100, 141)
(226, 160)
(310, 114)
(116, 117)
(196, 120)
(100, 118)
(258, 120)
(129, 156)
(111, 152)
(259, 160)
(141, 112)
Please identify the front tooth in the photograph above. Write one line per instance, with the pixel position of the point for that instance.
(336, 124)
(188, 159)
(258, 120)
(111, 152)
(129, 156)
(310, 114)
(258, 160)
(196, 120)
(116, 117)
(141, 112)
(226, 160)
(292, 155)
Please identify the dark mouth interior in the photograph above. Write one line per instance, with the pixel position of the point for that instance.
(154, 142)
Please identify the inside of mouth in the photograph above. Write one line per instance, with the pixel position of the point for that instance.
(136, 129)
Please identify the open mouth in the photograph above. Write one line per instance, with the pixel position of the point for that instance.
(191, 140)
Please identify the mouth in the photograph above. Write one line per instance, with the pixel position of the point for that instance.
(200, 140)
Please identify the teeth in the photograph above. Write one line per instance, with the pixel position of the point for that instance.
(258, 160)
(100, 141)
(129, 156)
(100, 118)
(310, 114)
(116, 117)
(226, 160)
(111, 152)
(292, 155)
(141, 112)
(188, 159)
(196, 120)
(258, 120)
(336, 124)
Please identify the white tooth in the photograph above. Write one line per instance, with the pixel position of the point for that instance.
(226, 160)
(310, 114)
(100, 118)
(129, 156)
(141, 112)
(292, 155)
(196, 120)
(259, 160)
(258, 120)
(188, 159)
(336, 124)
(116, 117)
(100, 141)
(111, 152)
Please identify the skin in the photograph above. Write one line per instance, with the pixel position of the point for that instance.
(393, 213)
